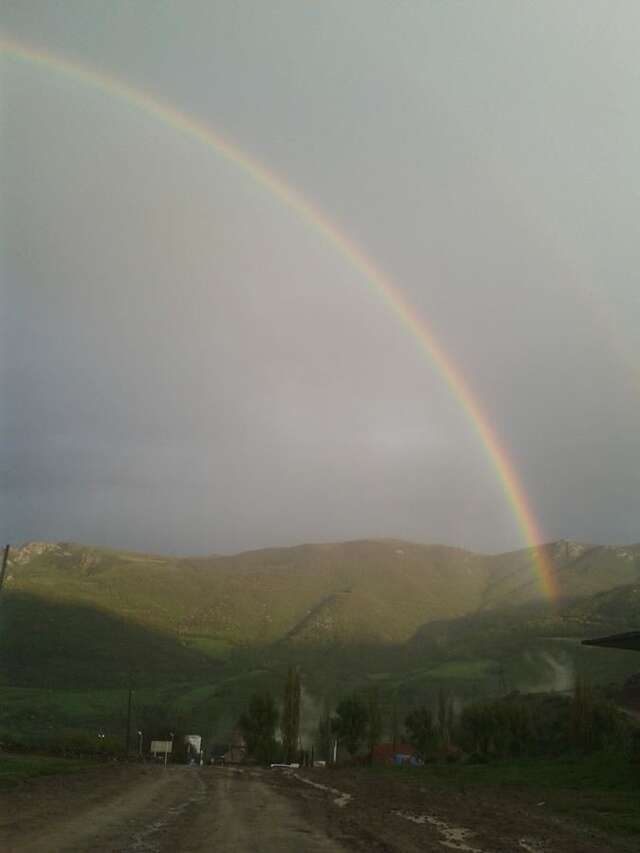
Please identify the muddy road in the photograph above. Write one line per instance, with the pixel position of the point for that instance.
(156, 810)
(153, 810)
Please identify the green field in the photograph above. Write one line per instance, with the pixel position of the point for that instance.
(15, 769)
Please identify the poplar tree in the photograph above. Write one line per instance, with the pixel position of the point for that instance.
(445, 717)
(324, 734)
(374, 721)
(291, 715)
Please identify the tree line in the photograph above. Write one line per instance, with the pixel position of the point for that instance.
(512, 726)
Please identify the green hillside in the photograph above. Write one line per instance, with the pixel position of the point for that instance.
(60, 644)
(368, 591)
(372, 590)
(579, 570)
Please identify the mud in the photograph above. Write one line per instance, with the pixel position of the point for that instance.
(157, 810)
(384, 813)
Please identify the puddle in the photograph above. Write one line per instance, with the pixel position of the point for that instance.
(147, 841)
(531, 845)
(341, 800)
(457, 837)
(454, 837)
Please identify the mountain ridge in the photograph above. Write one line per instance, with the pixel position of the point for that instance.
(299, 592)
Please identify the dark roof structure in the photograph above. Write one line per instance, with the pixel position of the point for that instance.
(629, 641)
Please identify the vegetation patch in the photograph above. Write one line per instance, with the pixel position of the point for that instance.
(466, 669)
(213, 647)
(15, 769)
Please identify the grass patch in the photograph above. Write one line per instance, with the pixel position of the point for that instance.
(600, 771)
(15, 769)
(600, 790)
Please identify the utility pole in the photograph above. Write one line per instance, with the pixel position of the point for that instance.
(5, 560)
(394, 723)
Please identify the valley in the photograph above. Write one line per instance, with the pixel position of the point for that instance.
(194, 638)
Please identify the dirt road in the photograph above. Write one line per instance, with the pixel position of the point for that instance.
(153, 810)
(190, 810)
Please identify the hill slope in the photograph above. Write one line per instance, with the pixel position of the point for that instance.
(367, 591)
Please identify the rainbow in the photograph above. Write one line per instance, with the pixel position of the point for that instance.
(350, 251)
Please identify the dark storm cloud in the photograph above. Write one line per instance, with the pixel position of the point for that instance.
(187, 366)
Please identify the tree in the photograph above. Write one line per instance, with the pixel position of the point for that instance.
(258, 725)
(290, 724)
(445, 717)
(419, 726)
(395, 728)
(374, 720)
(477, 727)
(351, 722)
(323, 736)
(591, 721)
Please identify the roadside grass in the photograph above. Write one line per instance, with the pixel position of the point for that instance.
(600, 790)
(15, 769)
(76, 720)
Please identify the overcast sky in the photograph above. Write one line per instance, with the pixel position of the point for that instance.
(188, 367)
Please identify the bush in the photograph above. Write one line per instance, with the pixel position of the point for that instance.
(502, 728)
(542, 725)
(593, 723)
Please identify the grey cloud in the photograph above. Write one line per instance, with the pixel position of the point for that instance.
(187, 366)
